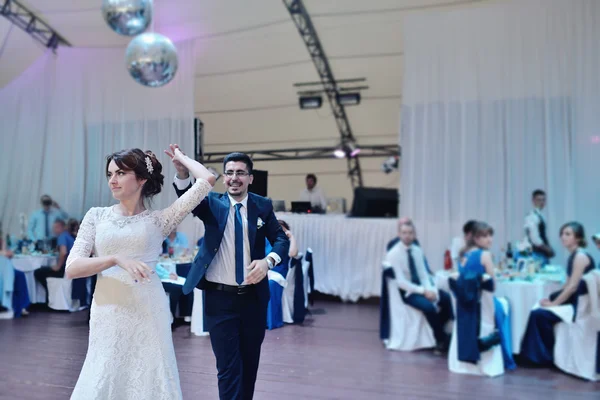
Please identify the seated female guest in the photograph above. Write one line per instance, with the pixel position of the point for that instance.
(538, 342)
(276, 275)
(476, 259)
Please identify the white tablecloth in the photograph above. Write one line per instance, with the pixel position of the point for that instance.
(28, 264)
(521, 295)
(347, 252)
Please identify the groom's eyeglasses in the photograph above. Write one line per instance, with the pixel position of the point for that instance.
(241, 174)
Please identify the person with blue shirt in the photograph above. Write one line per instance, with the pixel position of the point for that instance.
(42, 220)
(64, 243)
(175, 240)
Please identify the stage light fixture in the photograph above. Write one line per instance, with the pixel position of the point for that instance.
(347, 149)
(348, 99)
(310, 102)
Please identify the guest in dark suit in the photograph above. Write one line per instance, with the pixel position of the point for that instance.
(231, 268)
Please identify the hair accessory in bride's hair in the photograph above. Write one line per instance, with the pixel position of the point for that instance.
(149, 165)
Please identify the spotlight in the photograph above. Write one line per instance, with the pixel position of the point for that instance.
(312, 102)
(348, 99)
(348, 149)
(339, 153)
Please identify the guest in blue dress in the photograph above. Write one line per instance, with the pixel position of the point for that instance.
(538, 342)
(475, 258)
(274, 309)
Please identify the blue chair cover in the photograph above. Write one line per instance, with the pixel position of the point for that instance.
(311, 276)
(598, 354)
(275, 309)
(20, 294)
(384, 304)
(7, 282)
(79, 291)
(504, 329)
(467, 291)
(299, 298)
(183, 269)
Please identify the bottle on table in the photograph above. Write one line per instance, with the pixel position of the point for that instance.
(510, 262)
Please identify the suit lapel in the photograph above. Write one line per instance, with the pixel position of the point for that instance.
(252, 220)
(224, 212)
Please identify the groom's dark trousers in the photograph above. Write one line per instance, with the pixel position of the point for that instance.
(236, 321)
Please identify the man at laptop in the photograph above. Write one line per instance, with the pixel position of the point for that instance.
(314, 195)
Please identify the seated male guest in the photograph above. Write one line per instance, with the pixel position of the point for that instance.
(65, 243)
(42, 220)
(175, 240)
(416, 287)
(395, 240)
(176, 296)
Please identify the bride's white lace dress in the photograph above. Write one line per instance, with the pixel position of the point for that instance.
(130, 352)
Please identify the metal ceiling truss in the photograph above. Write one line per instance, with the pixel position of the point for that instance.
(32, 24)
(309, 153)
(309, 35)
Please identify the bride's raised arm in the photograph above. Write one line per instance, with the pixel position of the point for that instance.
(172, 216)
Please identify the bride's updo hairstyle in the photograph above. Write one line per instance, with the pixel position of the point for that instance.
(145, 165)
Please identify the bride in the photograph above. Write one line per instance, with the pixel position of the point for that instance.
(130, 351)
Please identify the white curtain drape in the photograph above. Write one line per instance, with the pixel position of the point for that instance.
(67, 112)
(499, 100)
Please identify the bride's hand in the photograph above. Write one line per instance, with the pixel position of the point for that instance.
(137, 269)
(176, 156)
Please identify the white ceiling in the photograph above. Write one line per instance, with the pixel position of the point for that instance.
(250, 54)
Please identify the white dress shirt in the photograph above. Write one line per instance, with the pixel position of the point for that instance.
(37, 223)
(316, 196)
(532, 230)
(222, 267)
(397, 257)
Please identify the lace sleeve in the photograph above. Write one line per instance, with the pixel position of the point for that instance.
(86, 236)
(172, 216)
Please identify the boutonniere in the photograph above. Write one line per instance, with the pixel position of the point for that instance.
(259, 223)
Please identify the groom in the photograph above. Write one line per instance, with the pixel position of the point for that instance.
(231, 268)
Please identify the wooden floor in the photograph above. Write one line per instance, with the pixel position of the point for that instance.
(335, 355)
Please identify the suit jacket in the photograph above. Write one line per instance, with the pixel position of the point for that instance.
(214, 211)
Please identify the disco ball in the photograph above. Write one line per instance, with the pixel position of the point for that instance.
(151, 59)
(127, 17)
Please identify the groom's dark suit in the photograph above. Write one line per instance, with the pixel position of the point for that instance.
(236, 321)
